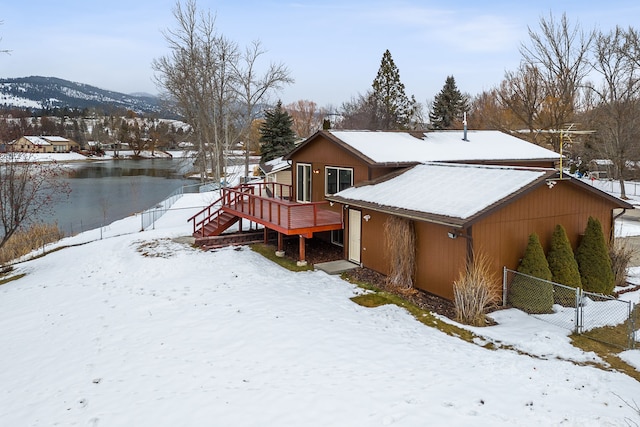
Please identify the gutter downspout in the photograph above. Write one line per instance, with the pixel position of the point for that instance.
(613, 224)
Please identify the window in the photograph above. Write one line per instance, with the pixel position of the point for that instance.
(303, 185)
(337, 179)
(337, 237)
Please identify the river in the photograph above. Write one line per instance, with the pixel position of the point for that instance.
(105, 191)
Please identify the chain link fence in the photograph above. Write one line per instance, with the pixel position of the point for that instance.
(149, 217)
(599, 317)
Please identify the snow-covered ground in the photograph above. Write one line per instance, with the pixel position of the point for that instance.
(139, 329)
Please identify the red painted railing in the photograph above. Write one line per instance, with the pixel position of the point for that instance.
(209, 214)
(268, 203)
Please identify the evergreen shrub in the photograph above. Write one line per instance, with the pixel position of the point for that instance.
(527, 293)
(593, 260)
(563, 266)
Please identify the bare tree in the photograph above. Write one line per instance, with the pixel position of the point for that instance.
(521, 92)
(216, 87)
(358, 113)
(188, 74)
(307, 117)
(486, 112)
(254, 87)
(137, 142)
(28, 190)
(615, 111)
(559, 54)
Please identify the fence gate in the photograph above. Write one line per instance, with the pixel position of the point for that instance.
(599, 317)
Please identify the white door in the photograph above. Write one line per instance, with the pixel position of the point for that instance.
(355, 230)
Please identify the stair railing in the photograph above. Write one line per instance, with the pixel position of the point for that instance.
(205, 216)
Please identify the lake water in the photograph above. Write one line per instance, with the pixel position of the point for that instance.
(105, 191)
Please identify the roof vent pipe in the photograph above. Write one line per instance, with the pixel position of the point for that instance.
(464, 122)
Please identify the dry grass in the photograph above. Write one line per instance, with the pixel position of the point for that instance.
(621, 253)
(476, 290)
(400, 236)
(26, 241)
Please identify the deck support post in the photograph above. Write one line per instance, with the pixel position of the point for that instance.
(266, 235)
(302, 261)
(280, 251)
(240, 225)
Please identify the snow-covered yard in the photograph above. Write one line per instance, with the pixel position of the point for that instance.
(139, 329)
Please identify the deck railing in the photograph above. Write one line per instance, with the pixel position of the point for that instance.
(255, 202)
(205, 216)
(267, 203)
(273, 190)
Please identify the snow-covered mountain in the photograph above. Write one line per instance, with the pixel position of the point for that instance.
(38, 93)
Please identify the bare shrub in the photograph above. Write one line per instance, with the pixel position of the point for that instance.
(476, 290)
(621, 253)
(400, 236)
(26, 241)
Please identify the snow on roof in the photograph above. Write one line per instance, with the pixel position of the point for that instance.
(55, 138)
(276, 165)
(442, 146)
(458, 191)
(36, 140)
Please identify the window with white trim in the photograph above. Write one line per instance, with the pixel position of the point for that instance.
(303, 184)
(337, 179)
(337, 237)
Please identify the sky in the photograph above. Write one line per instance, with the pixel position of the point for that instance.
(143, 329)
(332, 48)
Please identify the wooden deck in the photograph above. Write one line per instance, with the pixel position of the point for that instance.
(270, 205)
(281, 215)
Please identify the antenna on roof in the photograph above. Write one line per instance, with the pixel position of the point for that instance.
(464, 122)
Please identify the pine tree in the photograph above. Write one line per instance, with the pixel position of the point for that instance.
(276, 134)
(527, 294)
(593, 260)
(562, 263)
(448, 106)
(564, 268)
(393, 109)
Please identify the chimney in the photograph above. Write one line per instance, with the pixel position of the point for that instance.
(464, 122)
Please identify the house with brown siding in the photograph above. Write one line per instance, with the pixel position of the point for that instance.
(485, 191)
(462, 193)
(459, 210)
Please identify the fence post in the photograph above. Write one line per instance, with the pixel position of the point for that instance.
(632, 329)
(579, 318)
(504, 286)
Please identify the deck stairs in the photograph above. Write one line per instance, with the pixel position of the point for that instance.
(218, 222)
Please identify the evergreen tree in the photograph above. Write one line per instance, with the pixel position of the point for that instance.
(593, 260)
(562, 263)
(393, 109)
(385, 106)
(564, 268)
(526, 293)
(276, 134)
(448, 106)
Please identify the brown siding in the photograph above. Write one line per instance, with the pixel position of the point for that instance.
(322, 153)
(503, 236)
(326, 153)
(439, 259)
(373, 253)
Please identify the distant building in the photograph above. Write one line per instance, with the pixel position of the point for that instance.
(43, 144)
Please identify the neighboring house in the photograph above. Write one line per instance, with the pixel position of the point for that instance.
(278, 171)
(601, 168)
(464, 193)
(44, 144)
